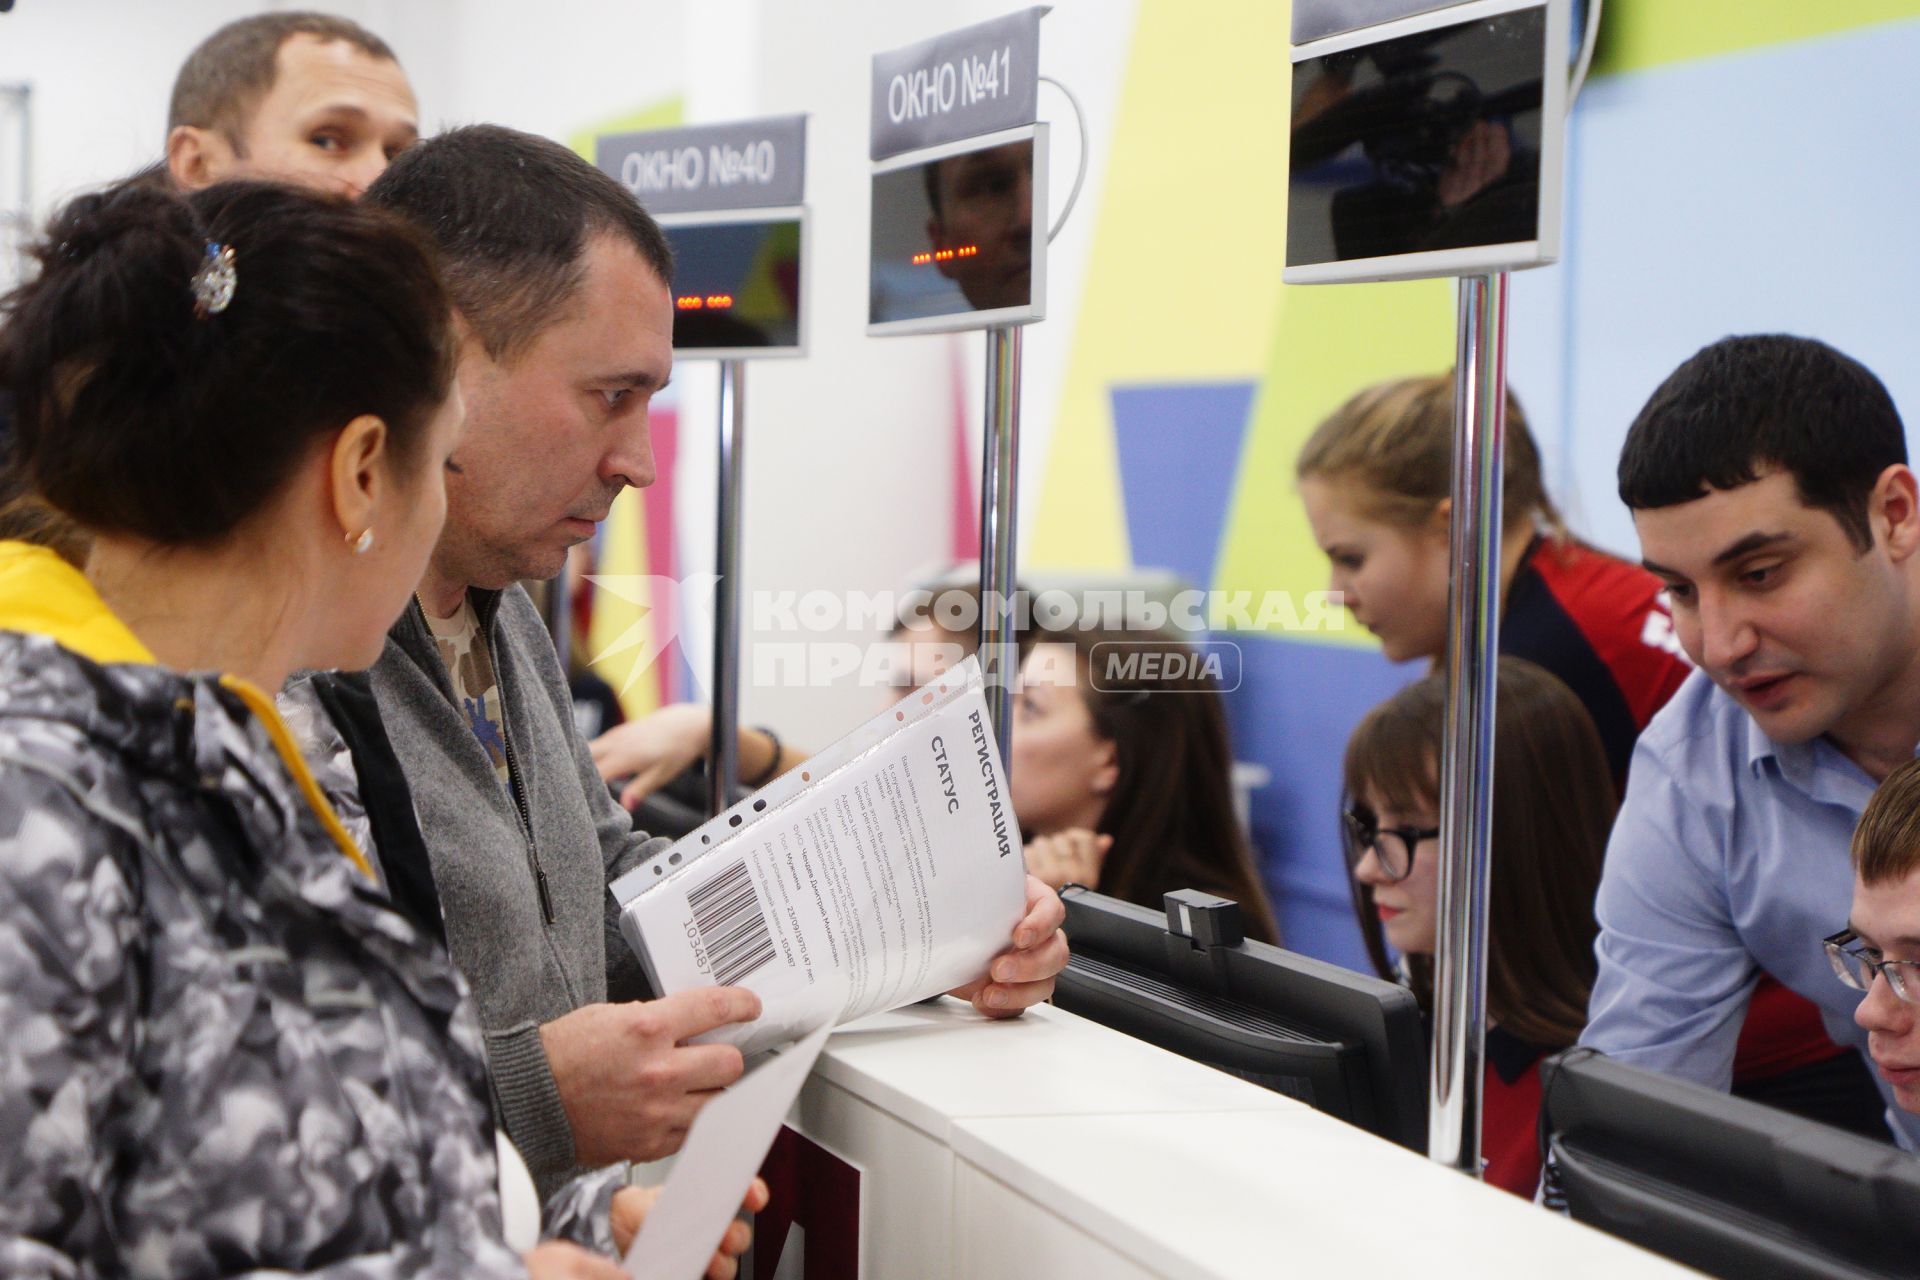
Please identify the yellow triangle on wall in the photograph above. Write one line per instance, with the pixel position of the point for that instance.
(1186, 253)
(613, 647)
(1637, 34)
(1329, 342)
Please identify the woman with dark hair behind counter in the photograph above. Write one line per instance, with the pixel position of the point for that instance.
(1122, 773)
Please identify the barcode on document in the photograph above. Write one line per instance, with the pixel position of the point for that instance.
(733, 928)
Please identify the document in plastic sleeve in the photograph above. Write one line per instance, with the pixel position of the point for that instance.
(885, 870)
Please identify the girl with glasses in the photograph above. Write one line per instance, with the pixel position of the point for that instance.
(1553, 805)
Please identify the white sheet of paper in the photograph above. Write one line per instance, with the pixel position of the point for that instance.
(725, 1147)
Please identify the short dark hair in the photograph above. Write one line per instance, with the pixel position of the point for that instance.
(134, 414)
(1747, 405)
(223, 80)
(511, 214)
(1886, 843)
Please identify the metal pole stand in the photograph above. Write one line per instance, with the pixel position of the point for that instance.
(1466, 766)
(999, 657)
(723, 753)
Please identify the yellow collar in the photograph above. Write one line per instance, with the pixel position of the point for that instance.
(41, 594)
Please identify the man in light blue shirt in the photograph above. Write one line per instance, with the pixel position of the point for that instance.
(1770, 491)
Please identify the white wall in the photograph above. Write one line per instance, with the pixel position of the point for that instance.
(847, 455)
(100, 72)
(101, 69)
(551, 69)
(847, 461)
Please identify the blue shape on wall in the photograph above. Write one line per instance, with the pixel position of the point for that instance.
(1179, 449)
(1686, 222)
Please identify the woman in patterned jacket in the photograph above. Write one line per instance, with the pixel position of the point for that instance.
(225, 1051)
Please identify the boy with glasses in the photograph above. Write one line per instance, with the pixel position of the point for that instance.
(1879, 951)
(296, 97)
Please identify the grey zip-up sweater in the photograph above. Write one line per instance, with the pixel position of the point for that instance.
(522, 877)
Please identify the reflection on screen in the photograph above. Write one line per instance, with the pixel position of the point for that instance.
(1423, 143)
(953, 236)
(736, 284)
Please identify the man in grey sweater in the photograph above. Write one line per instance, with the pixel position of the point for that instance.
(561, 281)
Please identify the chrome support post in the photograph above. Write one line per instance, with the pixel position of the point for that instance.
(999, 658)
(1466, 767)
(723, 753)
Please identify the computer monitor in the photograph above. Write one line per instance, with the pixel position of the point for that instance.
(1343, 1042)
(738, 283)
(959, 235)
(1429, 146)
(1728, 1186)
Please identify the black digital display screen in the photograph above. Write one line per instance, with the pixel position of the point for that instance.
(736, 285)
(954, 237)
(1423, 143)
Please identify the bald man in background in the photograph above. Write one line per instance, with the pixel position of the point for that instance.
(299, 97)
(296, 97)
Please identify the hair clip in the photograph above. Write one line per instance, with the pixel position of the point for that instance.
(213, 284)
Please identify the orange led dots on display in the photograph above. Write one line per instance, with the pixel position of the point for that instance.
(738, 292)
(944, 255)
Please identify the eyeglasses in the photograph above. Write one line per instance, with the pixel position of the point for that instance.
(1858, 968)
(1392, 846)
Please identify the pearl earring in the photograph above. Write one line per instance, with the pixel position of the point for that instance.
(363, 543)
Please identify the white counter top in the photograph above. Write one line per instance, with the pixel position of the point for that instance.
(1052, 1145)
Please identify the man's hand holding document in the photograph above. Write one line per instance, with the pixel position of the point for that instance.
(885, 871)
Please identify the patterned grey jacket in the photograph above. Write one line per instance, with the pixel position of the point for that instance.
(221, 1049)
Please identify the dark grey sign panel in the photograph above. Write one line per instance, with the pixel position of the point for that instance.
(1317, 19)
(979, 79)
(744, 164)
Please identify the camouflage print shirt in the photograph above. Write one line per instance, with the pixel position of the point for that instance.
(222, 1051)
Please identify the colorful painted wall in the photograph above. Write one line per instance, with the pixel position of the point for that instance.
(1735, 165)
